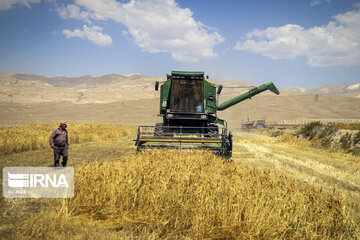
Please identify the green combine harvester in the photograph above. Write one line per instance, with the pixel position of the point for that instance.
(189, 108)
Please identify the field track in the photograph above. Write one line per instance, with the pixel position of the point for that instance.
(331, 171)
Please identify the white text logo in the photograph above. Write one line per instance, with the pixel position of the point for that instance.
(37, 180)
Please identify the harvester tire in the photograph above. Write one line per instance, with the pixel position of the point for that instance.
(229, 145)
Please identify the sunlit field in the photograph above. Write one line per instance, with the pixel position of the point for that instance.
(161, 194)
(266, 192)
(36, 136)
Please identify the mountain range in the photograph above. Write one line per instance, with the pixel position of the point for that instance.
(29, 98)
(32, 88)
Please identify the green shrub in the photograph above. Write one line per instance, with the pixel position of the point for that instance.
(357, 138)
(346, 141)
(356, 151)
(310, 130)
(328, 130)
(326, 143)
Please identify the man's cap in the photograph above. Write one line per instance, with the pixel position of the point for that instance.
(63, 123)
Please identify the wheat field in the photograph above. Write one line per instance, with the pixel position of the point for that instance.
(194, 195)
(36, 136)
(174, 195)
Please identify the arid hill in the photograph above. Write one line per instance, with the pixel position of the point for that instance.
(132, 100)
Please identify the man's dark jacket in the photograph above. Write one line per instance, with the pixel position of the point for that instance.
(59, 138)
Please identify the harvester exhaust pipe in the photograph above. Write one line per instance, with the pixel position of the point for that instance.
(219, 89)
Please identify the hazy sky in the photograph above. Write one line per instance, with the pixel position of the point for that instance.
(303, 43)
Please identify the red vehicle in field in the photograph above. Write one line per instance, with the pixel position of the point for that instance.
(259, 124)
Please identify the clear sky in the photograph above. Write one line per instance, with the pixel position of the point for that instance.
(304, 43)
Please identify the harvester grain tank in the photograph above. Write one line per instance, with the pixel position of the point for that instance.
(189, 109)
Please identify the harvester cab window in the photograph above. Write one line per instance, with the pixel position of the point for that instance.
(186, 94)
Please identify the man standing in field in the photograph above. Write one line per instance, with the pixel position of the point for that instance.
(59, 142)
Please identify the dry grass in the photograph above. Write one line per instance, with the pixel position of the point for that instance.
(36, 136)
(340, 149)
(179, 195)
(331, 170)
(349, 126)
(172, 195)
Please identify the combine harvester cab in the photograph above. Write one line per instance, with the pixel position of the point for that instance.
(189, 108)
